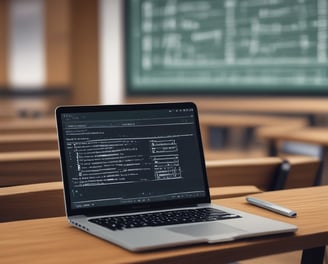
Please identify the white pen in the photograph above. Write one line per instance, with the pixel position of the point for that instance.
(271, 206)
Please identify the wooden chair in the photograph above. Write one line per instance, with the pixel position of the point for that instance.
(309, 141)
(304, 171)
(31, 201)
(262, 172)
(46, 199)
(248, 122)
(39, 200)
(43, 200)
(43, 166)
(18, 168)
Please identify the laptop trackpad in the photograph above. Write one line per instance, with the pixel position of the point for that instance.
(206, 229)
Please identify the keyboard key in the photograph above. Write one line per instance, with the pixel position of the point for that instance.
(163, 218)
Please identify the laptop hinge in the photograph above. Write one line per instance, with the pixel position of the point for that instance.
(73, 217)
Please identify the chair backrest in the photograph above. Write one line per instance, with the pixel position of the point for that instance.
(252, 171)
(43, 200)
(262, 172)
(31, 201)
(304, 171)
(29, 167)
(226, 179)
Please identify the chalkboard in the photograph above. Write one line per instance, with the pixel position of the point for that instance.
(226, 46)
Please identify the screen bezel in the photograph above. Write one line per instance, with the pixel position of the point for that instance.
(135, 207)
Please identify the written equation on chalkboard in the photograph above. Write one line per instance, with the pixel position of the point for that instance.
(228, 45)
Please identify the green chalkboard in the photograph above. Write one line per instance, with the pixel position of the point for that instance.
(226, 46)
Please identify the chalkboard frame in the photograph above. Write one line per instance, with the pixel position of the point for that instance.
(133, 91)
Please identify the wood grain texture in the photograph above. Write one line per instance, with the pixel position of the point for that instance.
(256, 171)
(260, 172)
(52, 239)
(27, 167)
(31, 201)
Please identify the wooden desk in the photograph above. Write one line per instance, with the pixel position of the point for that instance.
(311, 135)
(27, 167)
(28, 125)
(28, 142)
(53, 240)
(246, 121)
(255, 104)
(25, 107)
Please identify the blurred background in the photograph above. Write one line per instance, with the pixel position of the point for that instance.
(248, 64)
(44, 46)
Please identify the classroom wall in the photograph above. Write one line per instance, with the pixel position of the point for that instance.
(3, 42)
(69, 49)
(111, 51)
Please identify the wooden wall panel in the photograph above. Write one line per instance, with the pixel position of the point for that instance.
(85, 52)
(3, 42)
(58, 43)
(72, 48)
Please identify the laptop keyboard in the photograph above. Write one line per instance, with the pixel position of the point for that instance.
(163, 218)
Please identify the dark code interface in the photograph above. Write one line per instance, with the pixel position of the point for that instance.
(125, 157)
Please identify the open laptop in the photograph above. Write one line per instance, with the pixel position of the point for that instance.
(135, 175)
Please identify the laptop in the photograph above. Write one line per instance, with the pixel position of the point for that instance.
(135, 175)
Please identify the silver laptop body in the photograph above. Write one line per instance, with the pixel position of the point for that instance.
(144, 160)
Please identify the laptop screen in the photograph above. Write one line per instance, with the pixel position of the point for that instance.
(131, 155)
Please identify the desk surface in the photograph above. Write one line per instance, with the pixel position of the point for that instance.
(25, 138)
(52, 240)
(27, 125)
